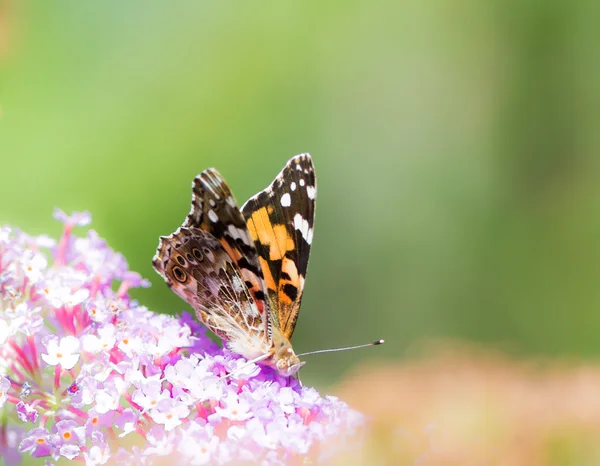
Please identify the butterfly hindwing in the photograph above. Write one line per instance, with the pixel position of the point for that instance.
(280, 220)
(197, 267)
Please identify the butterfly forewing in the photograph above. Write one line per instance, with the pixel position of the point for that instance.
(215, 210)
(280, 220)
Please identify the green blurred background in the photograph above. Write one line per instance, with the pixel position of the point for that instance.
(456, 146)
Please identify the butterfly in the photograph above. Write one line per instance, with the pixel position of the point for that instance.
(243, 270)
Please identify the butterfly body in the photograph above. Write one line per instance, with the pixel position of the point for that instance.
(242, 270)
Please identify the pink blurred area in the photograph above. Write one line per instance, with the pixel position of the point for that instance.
(457, 405)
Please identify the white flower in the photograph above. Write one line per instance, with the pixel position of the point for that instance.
(109, 398)
(96, 455)
(64, 352)
(236, 408)
(64, 296)
(104, 341)
(170, 413)
(130, 344)
(149, 394)
(180, 373)
(33, 264)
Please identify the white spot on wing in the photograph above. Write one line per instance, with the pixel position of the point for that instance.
(212, 202)
(302, 183)
(293, 186)
(311, 191)
(233, 231)
(286, 200)
(238, 233)
(301, 225)
(213, 216)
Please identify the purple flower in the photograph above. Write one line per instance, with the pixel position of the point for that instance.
(68, 432)
(26, 413)
(76, 218)
(127, 421)
(97, 421)
(37, 442)
(82, 363)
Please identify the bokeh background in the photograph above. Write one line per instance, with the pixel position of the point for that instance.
(456, 147)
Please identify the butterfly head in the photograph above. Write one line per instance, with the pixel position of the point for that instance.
(286, 362)
(283, 357)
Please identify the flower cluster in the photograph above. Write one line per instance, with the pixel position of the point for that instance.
(87, 373)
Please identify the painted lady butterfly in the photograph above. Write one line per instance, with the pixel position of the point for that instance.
(243, 270)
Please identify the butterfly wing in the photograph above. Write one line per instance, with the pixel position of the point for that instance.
(197, 267)
(215, 210)
(280, 220)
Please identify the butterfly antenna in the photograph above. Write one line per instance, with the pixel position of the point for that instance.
(373, 343)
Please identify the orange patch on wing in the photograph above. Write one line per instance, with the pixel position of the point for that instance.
(281, 243)
(289, 266)
(252, 229)
(268, 277)
(283, 298)
(261, 228)
(275, 236)
(235, 254)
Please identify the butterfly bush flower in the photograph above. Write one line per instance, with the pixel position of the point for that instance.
(86, 373)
